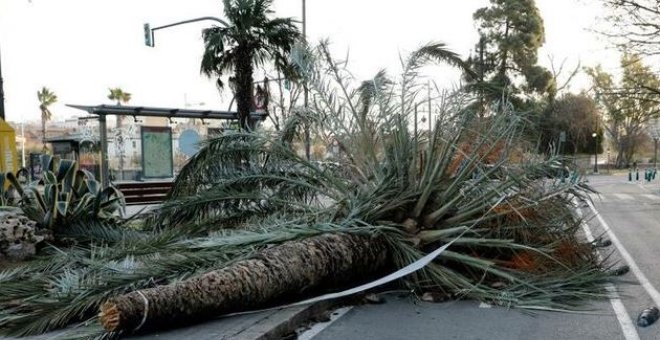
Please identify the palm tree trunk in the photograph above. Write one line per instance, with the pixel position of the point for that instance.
(282, 273)
(243, 74)
(43, 133)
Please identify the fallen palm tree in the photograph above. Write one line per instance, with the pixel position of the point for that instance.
(330, 260)
(251, 224)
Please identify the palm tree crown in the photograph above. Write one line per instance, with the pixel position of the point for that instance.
(119, 95)
(249, 39)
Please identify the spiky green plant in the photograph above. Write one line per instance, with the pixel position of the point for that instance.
(66, 197)
(245, 194)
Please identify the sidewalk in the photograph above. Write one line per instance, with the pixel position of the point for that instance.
(266, 325)
(273, 324)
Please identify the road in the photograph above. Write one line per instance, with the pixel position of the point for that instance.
(631, 212)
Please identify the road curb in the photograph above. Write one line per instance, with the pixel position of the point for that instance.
(287, 321)
(264, 325)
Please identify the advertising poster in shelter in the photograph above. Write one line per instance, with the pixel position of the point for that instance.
(157, 159)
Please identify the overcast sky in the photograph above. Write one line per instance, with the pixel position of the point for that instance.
(80, 48)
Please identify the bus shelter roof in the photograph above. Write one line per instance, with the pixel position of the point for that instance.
(145, 111)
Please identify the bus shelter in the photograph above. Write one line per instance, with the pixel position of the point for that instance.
(102, 111)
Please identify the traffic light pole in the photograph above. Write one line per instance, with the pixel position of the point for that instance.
(149, 32)
(308, 142)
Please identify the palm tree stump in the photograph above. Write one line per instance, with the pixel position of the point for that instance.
(277, 274)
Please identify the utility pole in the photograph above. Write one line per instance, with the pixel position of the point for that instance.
(482, 108)
(428, 84)
(2, 94)
(308, 145)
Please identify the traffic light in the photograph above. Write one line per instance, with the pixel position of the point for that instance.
(148, 36)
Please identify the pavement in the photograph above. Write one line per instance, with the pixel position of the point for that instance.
(401, 317)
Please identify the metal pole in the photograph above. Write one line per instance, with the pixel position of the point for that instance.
(415, 125)
(304, 19)
(103, 134)
(22, 143)
(429, 100)
(308, 143)
(2, 94)
(655, 153)
(596, 154)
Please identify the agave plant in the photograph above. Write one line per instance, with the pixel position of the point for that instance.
(250, 223)
(66, 197)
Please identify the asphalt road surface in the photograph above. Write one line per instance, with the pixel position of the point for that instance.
(631, 212)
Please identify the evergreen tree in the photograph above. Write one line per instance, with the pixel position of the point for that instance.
(511, 32)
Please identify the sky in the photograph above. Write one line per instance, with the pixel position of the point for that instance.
(81, 48)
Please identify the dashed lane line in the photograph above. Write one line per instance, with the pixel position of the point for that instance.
(624, 197)
(652, 197)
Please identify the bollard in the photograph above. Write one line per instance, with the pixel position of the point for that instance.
(637, 175)
(629, 175)
(655, 171)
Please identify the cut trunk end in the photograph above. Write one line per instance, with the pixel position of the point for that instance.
(109, 316)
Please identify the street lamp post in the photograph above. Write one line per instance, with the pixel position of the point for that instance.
(595, 136)
(308, 144)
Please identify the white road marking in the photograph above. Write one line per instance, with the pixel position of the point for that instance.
(624, 197)
(626, 323)
(652, 197)
(643, 280)
(319, 327)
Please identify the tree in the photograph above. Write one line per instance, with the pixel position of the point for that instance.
(511, 32)
(629, 104)
(577, 117)
(46, 98)
(121, 97)
(249, 39)
(634, 25)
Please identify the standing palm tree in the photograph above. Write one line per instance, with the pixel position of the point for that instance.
(46, 98)
(248, 40)
(121, 97)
